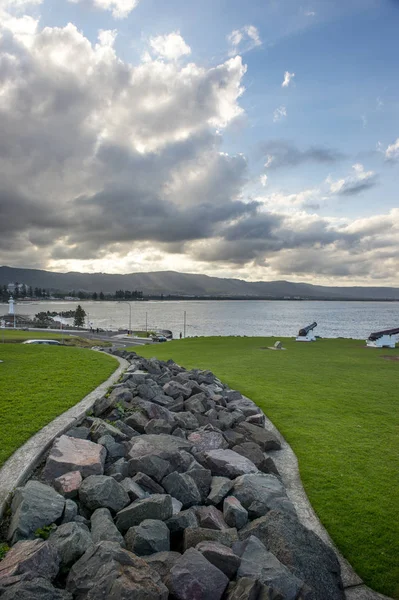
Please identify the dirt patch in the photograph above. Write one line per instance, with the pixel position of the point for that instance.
(387, 357)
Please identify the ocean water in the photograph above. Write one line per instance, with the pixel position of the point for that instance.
(234, 317)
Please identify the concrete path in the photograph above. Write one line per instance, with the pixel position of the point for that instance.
(287, 464)
(18, 468)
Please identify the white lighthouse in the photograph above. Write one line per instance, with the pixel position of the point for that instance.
(11, 306)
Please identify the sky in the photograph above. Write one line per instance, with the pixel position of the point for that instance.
(256, 140)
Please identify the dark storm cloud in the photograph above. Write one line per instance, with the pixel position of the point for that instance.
(282, 153)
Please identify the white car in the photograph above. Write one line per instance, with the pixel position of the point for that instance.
(47, 342)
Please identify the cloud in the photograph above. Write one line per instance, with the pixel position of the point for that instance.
(263, 180)
(392, 152)
(244, 39)
(354, 183)
(310, 13)
(282, 153)
(171, 46)
(18, 5)
(287, 79)
(120, 9)
(279, 114)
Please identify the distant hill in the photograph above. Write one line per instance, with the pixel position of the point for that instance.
(185, 284)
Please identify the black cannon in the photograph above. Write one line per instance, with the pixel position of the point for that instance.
(305, 330)
(379, 334)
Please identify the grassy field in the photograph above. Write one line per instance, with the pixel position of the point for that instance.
(38, 383)
(336, 402)
(12, 336)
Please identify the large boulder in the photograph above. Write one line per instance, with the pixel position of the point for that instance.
(220, 556)
(33, 507)
(162, 562)
(101, 428)
(259, 564)
(100, 491)
(120, 394)
(73, 454)
(203, 441)
(103, 527)
(234, 513)
(263, 437)
(193, 577)
(68, 484)
(182, 487)
(210, 517)
(220, 487)
(228, 463)
(71, 541)
(195, 535)
(147, 538)
(301, 551)
(27, 560)
(158, 506)
(34, 588)
(180, 522)
(260, 493)
(108, 571)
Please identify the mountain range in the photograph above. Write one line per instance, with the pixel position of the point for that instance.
(186, 284)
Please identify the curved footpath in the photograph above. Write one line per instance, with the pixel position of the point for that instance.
(199, 440)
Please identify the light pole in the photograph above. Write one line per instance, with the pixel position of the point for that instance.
(130, 312)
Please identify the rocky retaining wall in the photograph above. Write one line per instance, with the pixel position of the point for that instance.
(168, 490)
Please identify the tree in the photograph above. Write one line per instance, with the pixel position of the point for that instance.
(102, 296)
(79, 318)
(95, 296)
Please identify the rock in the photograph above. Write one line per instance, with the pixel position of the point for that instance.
(176, 505)
(79, 432)
(228, 463)
(108, 571)
(233, 437)
(245, 589)
(103, 527)
(100, 428)
(71, 541)
(68, 484)
(176, 389)
(135, 491)
(70, 511)
(184, 519)
(192, 577)
(244, 405)
(72, 454)
(302, 551)
(182, 487)
(126, 429)
(100, 491)
(35, 588)
(186, 420)
(162, 562)
(158, 426)
(114, 450)
(210, 517)
(122, 394)
(234, 513)
(258, 419)
(179, 432)
(195, 535)
(164, 443)
(220, 487)
(260, 493)
(148, 537)
(158, 506)
(152, 465)
(148, 390)
(203, 441)
(220, 556)
(118, 470)
(27, 560)
(226, 420)
(196, 404)
(253, 452)
(138, 421)
(257, 563)
(264, 438)
(202, 478)
(148, 484)
(33, 507)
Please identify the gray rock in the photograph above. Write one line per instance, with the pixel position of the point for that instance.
(118, 470)
(182, 487)
(220, 487)
(246, 406)
(100, 491)
(152, 465)
(221, 557)
(121, 394)
(228, 463)
(226, 420)
(134, 490)
(245, 589)
(233, 437)
(258, 419)
(302, 551)
(176, 389)
(186, 420)
(162, 562)
(177, 506)
(70, 511)
(260, 493)
(71, 541)
(126, 429)
(264, 438)
(27, 560)
(33, 507)
(68, 484)
(79, 432)
(108, 571)
(103, 527)
(195, 535)
(196, 404)
(147, 538)
(158, 426)
(184, 519)
(234, 513)
(193, 577)
(148, 390)
(100, 428)
(179, 432)
(35, 588)
(253, 452)
(72, 454)
(158, 506)
(137, 420)
(257, 563)
(114, 450)
(203, 441)
(148, 484)
(210, 517)
(202, 478)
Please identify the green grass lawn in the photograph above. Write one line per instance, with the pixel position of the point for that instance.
(12, 336)
(336, 403)
(38, 383)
